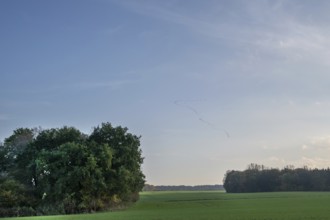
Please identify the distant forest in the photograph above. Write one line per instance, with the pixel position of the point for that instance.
(258, 178)
(149, 187)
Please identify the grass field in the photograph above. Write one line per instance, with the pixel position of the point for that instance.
(216, 205)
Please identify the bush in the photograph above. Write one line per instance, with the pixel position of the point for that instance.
(12, 194)
(17, 211)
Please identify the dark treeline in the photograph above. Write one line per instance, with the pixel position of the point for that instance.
(257, 178)
(61, 171)
(149, 187)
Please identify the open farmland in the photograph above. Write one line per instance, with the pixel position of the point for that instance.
(217, 205)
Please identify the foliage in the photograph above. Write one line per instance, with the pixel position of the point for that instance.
(256, 178)
(57, 171)
(127, 158)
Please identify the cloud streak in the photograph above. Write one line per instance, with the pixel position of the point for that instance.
(272, 27)
(310, 162)
(113, 84)
(319, 143)
(4, 117)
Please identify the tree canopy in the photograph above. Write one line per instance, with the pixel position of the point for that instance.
(62, 170)
(257, 178)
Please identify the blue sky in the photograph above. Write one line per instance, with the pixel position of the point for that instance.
(209, 85)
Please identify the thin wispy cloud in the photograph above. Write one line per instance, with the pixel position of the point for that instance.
(114, 30)
(310, 162)
(315, 162)
(4, 117)
(83, 85)
(113, 84)
(269, 26)
(319, 143)
(221, 30)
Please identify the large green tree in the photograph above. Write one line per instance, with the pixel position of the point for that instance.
(65, 171)
(127, 159)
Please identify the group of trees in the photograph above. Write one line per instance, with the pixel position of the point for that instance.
(257, 178)
(60, 171)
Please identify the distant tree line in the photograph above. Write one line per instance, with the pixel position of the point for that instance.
(61, 171)
(258, 178)
(148, 187)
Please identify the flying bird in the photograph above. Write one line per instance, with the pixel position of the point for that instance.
(183, 103)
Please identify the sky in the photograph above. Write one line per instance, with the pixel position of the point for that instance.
(209, 85)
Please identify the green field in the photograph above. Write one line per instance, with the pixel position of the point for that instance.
(217, 205)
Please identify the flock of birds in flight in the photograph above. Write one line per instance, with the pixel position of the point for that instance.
(184, 104)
